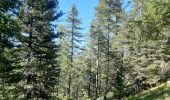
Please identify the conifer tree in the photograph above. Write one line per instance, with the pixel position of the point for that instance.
(98, 46)
(63, 59)
(108, 12)
(9, 34)
(74, 40)
(89, 64)
(40, 69)
(147, 42)
(95, 31)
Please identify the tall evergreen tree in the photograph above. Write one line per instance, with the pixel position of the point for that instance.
(64, 59)
(41, 70)
(146, 56)
(95, 34)
(74, 39)
(9, 34)
(108, 13)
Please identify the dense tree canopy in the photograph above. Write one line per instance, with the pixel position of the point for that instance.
(125, 52)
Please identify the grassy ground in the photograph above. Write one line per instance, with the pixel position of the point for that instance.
(161, 92)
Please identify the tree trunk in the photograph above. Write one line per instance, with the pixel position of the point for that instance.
(90, 78)
(97, 69)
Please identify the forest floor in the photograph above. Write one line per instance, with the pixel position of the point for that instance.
(161, 92)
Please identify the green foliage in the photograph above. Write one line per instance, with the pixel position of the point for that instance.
(9, 32)
(70, 43)
(161, 92)
(40, 68)
(126, 52)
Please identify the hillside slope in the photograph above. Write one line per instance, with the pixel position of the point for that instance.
(161, 92)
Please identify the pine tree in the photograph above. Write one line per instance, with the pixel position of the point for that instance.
(146, 56)
(74, 40)
(105, 10)
(98, 46)
(118, 50)
(63, 59)
(40, 69)
(108, 13)
(89, 64)
(9, 34)
(95, 32)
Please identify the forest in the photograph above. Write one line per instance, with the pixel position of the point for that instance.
(124, 56)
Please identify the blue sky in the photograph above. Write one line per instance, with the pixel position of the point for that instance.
(86, 9)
